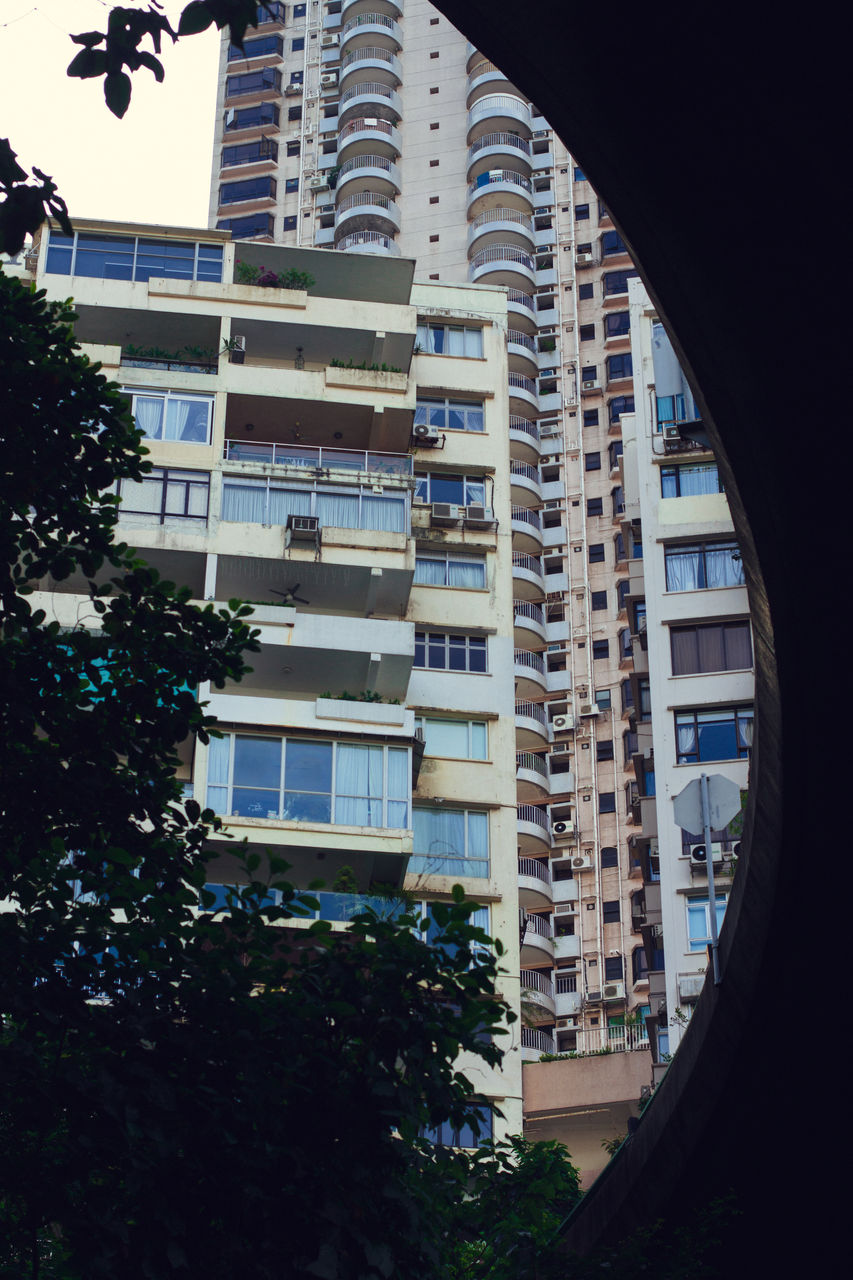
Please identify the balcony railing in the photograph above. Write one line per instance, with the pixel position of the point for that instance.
(288, 455)
(502, 253)
(524, 658)
(618, 1039)
(540, 925)
(521, 339)
(523, 384)
(532, 711)
(363, 198)
(503, 215)
(533, 980)
(533, 763)
(521, 298)
(522, 561)
(365, 162)
(370, 87)
(497, 175)
(499, 140)
(363, 123)
(368, 19)
(524, 469)
(524, 609)
(373, 53)
(497, 104)
(527, 516)
(542, 1041)
(482, 69)
(524, 424)
(367, 237)
(567, 984)
(536, 814)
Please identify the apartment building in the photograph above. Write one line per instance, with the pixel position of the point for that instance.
(375, 129)
(692, 679)
(374, 739)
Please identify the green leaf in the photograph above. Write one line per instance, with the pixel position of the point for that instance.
(194, 19)
(117, 89)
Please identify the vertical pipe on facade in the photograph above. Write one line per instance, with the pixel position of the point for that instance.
(308, 161)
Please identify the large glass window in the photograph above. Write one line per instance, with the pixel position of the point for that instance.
(438, 651)
(309, 780)
(721, 734)
(450, 415)
(254, 224)
(619, 404)
(448, 1135)
(249, 152)
(690, 479)
(172, 416)
(700, 565)
(251, 501)
(450, 340)
(699, 920)
(612, 242)
(449, 569)
(446, 486)
(250, 189)
(450, 842)
(261, 47)
(106, 257)
(721, 646)
(621, 366)
(166, 492)
(613, 282)
(617, 324)
(253, 82)
(454, 739)
(252, 117)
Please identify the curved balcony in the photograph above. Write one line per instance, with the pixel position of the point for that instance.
(525, 483)
(567, 946)
(504, 112)
(531, 777)
(502, 264)
(528, 576)
(484, 77)
(509, 226)
(526, 530)
(537, 946)
(370, 98)
(508, 187)
(369, 29)
(531, 726)
(528, 626)
(372, 60)
(367, 211)
(523, 439)
(353, 7)
(376, 174)
(534, 1043)
(523, 391)
(494, 149)
(521, 349)
(568, 999)
(369, 242)
(530, 678)
(537, 992)
(368, 134)
(521, 308)
(534, 832)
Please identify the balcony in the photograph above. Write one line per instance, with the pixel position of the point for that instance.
(521, 350)
(522, 390)
(531, 726)
(534, 1043)
(382, 62)
(362, 461)
(537, 945)
(522, 306)
(615, 1038)
(500, 187)
(484, 78)
(523, 439)
(366, 27)
(530, 678)
(532, 780)
(526, 530)
(533, 833)
(566, 891)
(502, 224)
(528, 624)
(502, 264)
(367, 211)
(353, 7)
(372, 98)
(369, 173)
(567, 947)
(503, 110)
(537, 991)
(491, 148)
(525, 483)
(369, 242)
(528, 576)
(534, 883)
(368, 133)
(568, 1000)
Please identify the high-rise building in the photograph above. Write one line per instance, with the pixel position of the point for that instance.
(373, 128)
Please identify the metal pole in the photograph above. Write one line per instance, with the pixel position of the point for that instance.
(712, 896)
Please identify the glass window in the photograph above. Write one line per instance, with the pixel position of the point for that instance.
(253, 82)
(616, 281)
(263, 501)
(252, 117)
(600, 649)
(250, 189)
(447, 1135)
(604, 749)
(690, 480)
(614, 452)
(164, 491)
(449, 569)
(617, 324)
(450, 415)
(699, 920)
(621, 366)
(613, 971)
(450, 340)
(261, 47)
(173, 416)
(291, 184)
(612, 242)
(596, 553)
(603, 699)
(607, 802)
(254, 224)
(590, 417)
(723, 646)
(609, 856)
(598, 600)
(586, 333)
(723, 734)
(592, 461)
(132, 258)
(438, 651)
(703, 565)
(595, 506)
(455, 739)
(581, 212)
(249, 153)
(451, 842)
(453, 487)
(585, 292)
(619, 404)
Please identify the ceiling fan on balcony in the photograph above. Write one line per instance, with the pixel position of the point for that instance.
(289, 594)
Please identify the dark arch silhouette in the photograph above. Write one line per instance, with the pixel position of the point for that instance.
(715, 137)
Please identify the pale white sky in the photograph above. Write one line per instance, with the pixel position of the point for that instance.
(152, 166)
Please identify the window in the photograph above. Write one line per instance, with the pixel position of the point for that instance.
(297, 77)
(454, 739)
(699, 920)
(614, 453)
(293, 148)
(450, 340)
(132, 257)
(587, 332)
(592, 461)
(250, 189)
(172, 415)
(722, 646)
(439, 651)
(614, 282)
(450, 842)
(600, 649)
(294, 113)
(603, 699)
(599, 600)
(449, 569)
(298, 44)
(249, 153)
(589, 373)
(595, 506)
(291, 184)
(299, 10)
(626, 645)
(253, 82)
(580, 176)
(620, 366)
(441, 486)
(166, 492)
(253, 117)
(581, 212)
(703, 565)
(612, 242)
(445, 1135)
(723, 734)
(309, 780)
(623, 590)
(639, 964)
(689, 480)
(596, 553)
(617, 324)
(610, 911)
(289, 223)
(619, 405)
(585, 292)
(617, 498)
(451, 415)
(627, 695)
(613, 971)
(590, 417)
(259, 48)
(607, 804)
(609, 856)
(604, 749)
(270, 502)
(254, 224)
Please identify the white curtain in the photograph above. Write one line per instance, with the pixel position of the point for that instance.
(385, 514)
(699, 480)
(721, 568)
(244, 500)
(288, 502)
(144, 496)
(430, 573)
(399, 787)
(149, 417)
(217, 774)
(177, 417)
(687, 744)
(358, 786)
(439, 842)
(466, 573)
(339, 509)
(682, 569)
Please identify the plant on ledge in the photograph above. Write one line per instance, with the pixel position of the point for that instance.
(370, 368)
(183, 355)
(248, 273)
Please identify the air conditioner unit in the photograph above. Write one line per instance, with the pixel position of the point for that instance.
(445, 513)
(329, 80)
(591, 385)
(593, 997)
(325, 208)
(479, 517)
(563, 724)
(561, 749)
(614, 991)
(698, 857)
(562, 830)
(426, 434)
(553, 505)
(584, 259)
(303, 528)
(318, 184)
(671, 432)
(292, 90)
(589, 709)
(549, 429)
(330, 41)
(690, 986)
(581, 861)
(237, 349)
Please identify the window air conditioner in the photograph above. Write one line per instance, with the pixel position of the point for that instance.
(562, 830)
(581, 861)
(303, 528)
(237, 350)
(614, 991)
(292, 90)
(318, 184)
(328, 80)
(479, 517)
(584, 259)
(690, 986)
(589, 709)
(445, 513)
(330, 41)
(591, 385)
(425, 434)
(563, 724)
(561, 749)
(593, 997)
(699, 859)
(567, 1024)
(671, 432)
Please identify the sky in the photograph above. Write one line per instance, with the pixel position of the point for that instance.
(152, 166)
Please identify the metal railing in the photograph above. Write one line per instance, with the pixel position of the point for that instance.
(366, 237)
(537, 815)
(529, 760)
(533, 980)
(524, 424)
(482, 69)
(502, 253)
(532, 711)
(533, 563)
(368, 19)
(511, 176)
(502, 215)
(567, 984)
(540, 925)
(371, 87)
(539, 1040)
(618, 1039)
(500, 139)
(364, 123)
(375, 53)
(497, 104)
(527, 516)
(523, 384)
(365, 162)
(525, 469)
(524, 609)
(363, 198)
(521, 339)
(288, 455)
(524, 658)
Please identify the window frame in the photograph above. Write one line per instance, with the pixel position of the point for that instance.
(472, 728)
(450, 556)
(193, 481)
(740, 714)
(424, 481)
(702, 902)
(428, 641)
(480, 866)
(427, 406)
(673, 550)
(425, 341)
(675, 470)
(168, 397)
(741, 626)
